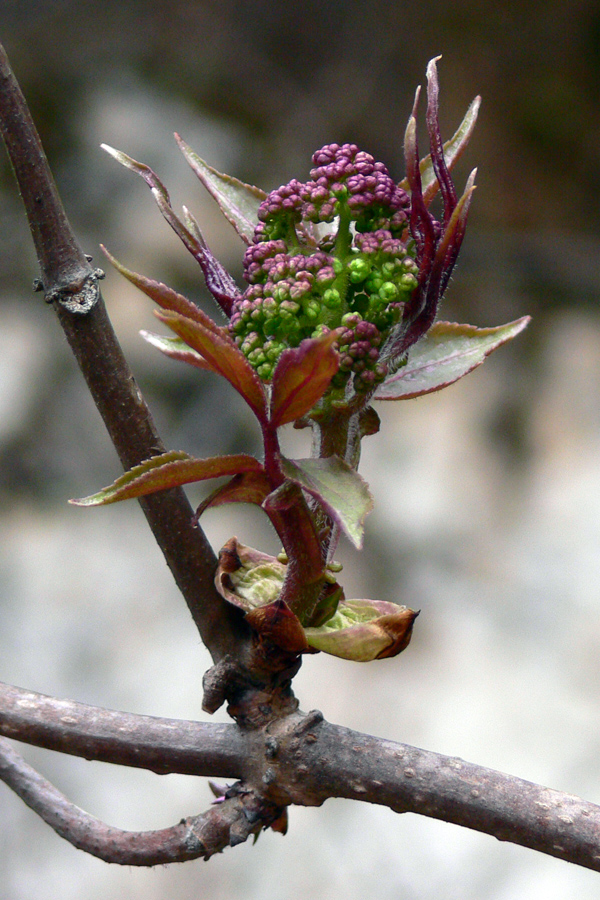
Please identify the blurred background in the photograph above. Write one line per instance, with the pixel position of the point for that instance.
(487, 495)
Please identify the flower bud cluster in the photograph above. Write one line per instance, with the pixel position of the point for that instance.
(304, 279)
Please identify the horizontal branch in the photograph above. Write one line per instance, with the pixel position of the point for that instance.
(226, 824)
(304, 760)
(326, 760)
(162, 745)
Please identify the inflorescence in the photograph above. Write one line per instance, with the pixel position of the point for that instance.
(332, 253)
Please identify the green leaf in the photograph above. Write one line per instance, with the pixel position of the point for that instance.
(175, 348)
(301, 377)
(446, 353)
(237, 201)
(337, 487)
(248, 578)
(453, 150)
(363, 630)
(222, 355)
(169, 470)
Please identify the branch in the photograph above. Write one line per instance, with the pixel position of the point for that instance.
(226, 824)
(323, 760)
(304, 760)
(71, 286)
(146, 742)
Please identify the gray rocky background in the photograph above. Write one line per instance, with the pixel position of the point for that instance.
(487, 495)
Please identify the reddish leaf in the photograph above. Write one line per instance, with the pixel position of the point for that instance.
(453, 150)
(165, 296)
(169, 470)
(224, 357)
(278, 624)
(446, 353)
(301, 377)
(218, 280)
(245, 487)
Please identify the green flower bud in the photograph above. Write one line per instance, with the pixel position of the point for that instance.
(388, 291)
(358, 270)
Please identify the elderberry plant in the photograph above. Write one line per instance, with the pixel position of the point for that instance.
(344, 275)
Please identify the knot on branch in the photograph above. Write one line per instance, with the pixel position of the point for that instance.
(239, 813)
(256, 693)
(77, 295)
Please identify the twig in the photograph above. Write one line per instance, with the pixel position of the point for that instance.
(71, 285)
(226, 824)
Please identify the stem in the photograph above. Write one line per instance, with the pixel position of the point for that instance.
(71, 285)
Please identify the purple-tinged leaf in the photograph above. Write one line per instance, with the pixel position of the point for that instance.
(453, 150)
(421, 225)
(168, 470)
(435, 268)
(175, 348)
(223, 356)
(339, 489)
(364, 630)
(301, 377)
(245, 487)
(237, 201)
(218, 280)
(447, 352)
(447, 189)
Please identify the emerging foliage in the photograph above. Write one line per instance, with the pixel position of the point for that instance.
(344, 274)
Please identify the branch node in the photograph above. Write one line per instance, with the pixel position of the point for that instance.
(80, 295)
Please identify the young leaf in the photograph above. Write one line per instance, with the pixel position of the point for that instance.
(248, 578)
(337, 487)
(237, 201)
(222, 355)
(443, 355)
(453, 150)
(169, 470)
(218, 280)
(165, 296)
(278, 624)
(245, 487)
(363, 630)
(301, 377)
(175, 348)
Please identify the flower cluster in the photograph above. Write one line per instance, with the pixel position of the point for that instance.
(305, 278)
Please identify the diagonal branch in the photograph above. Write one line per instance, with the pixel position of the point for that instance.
(72, 286)
(226, 824)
